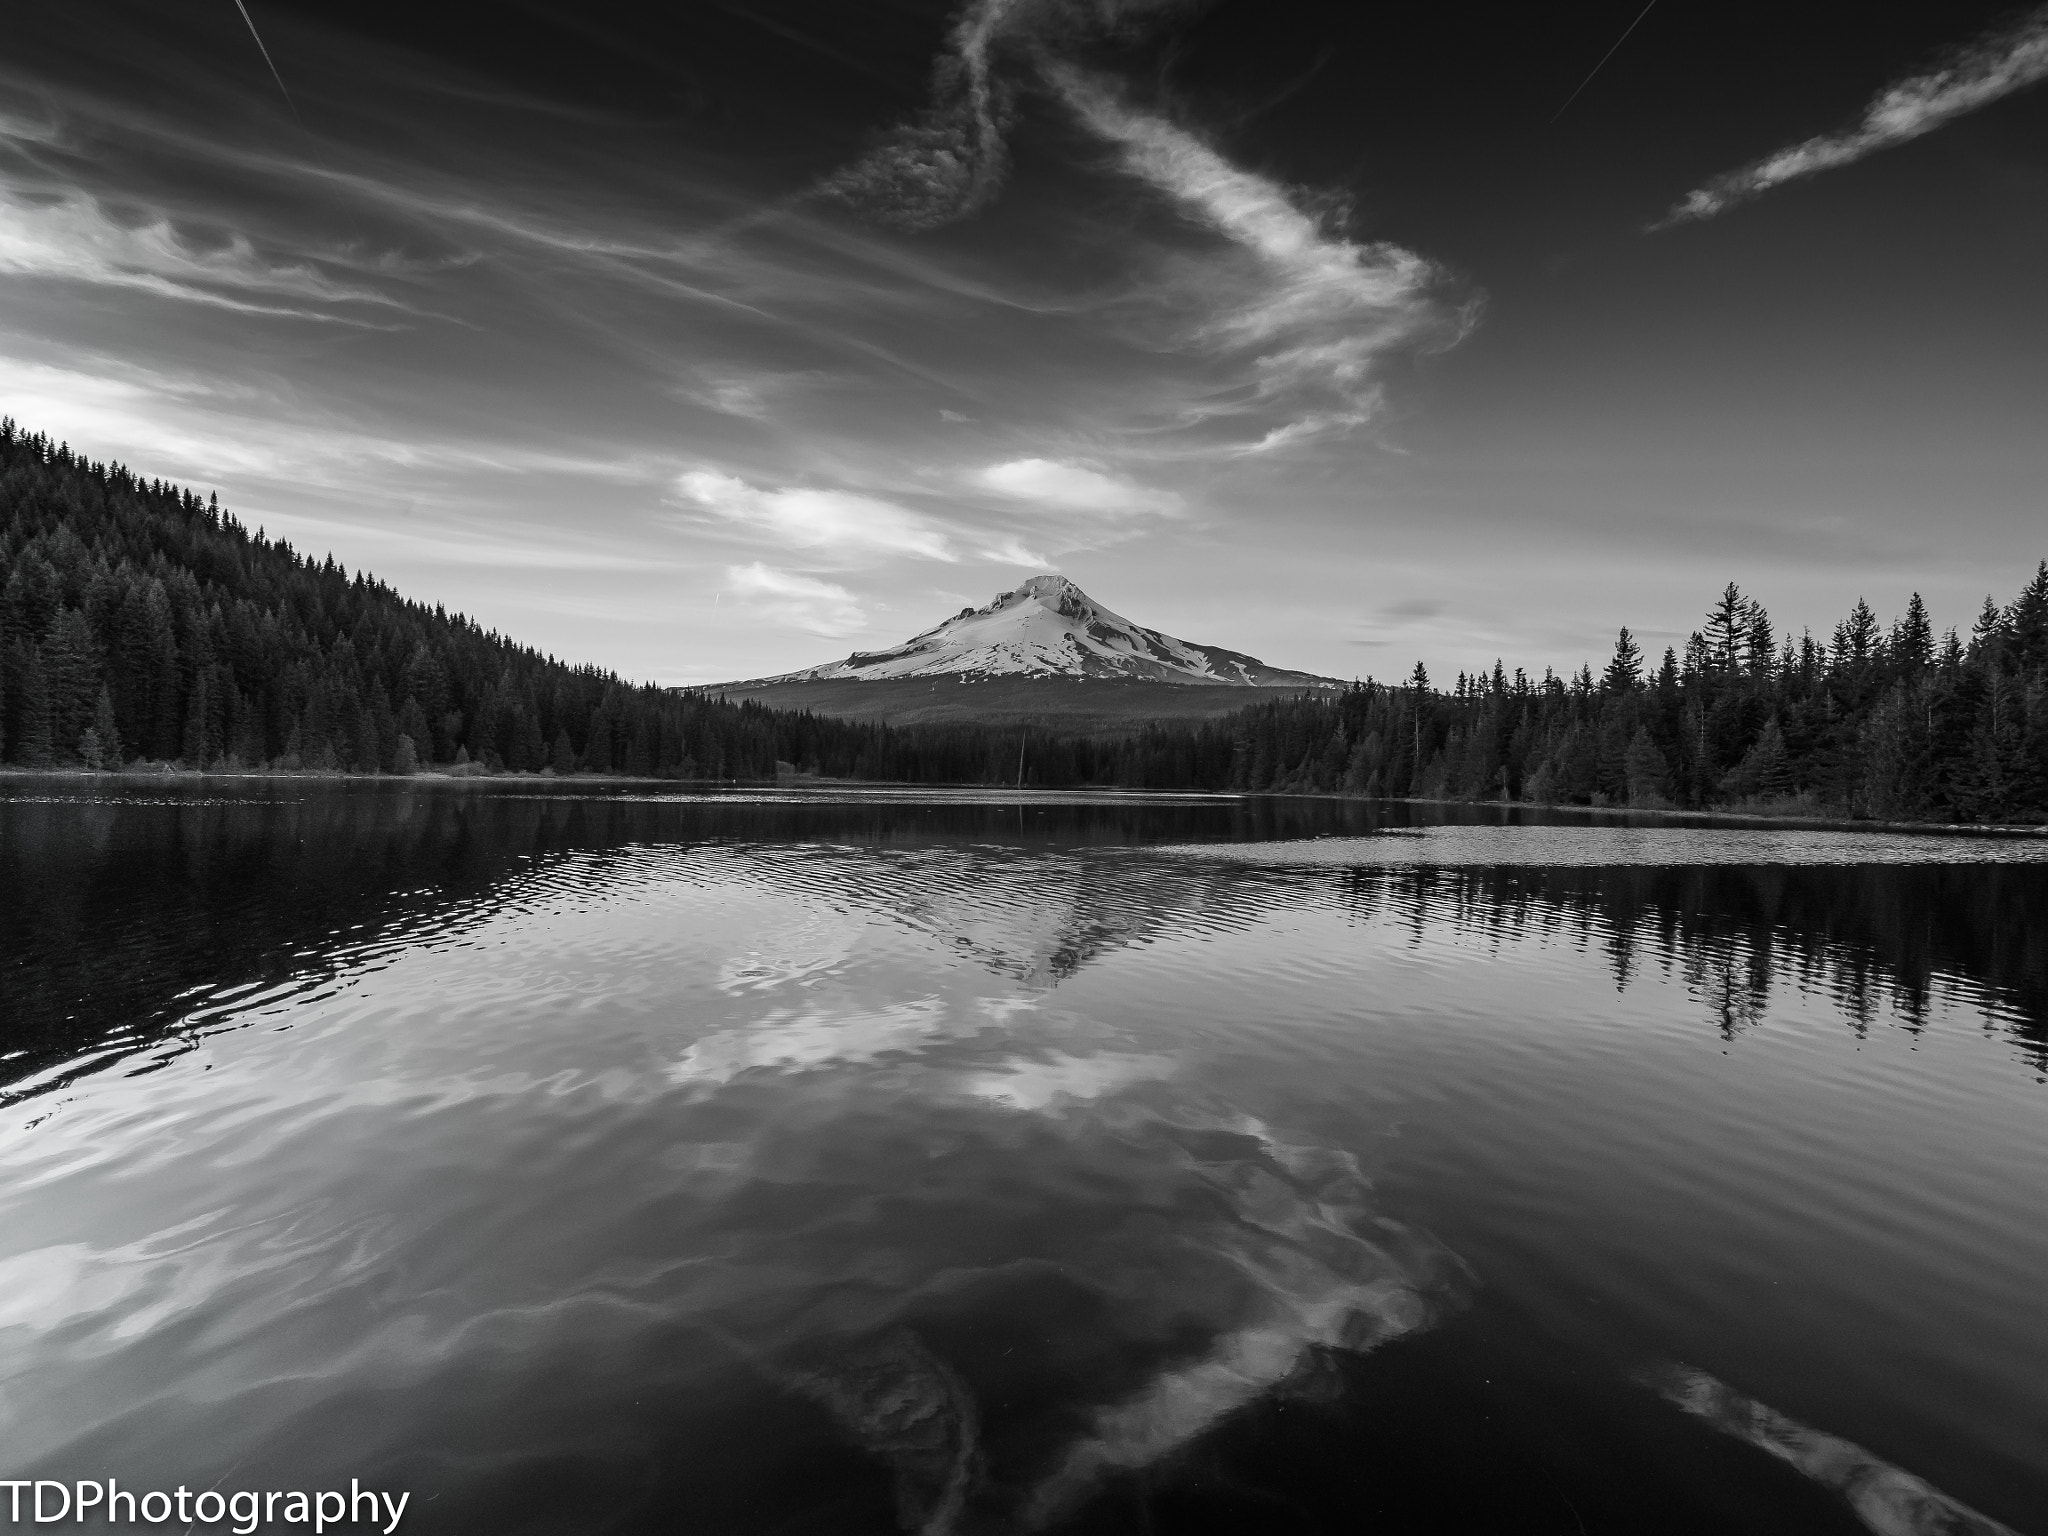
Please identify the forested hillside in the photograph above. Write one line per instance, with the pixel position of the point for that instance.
(139, 623)
(1891, 723)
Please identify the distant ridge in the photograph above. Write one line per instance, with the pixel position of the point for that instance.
(1048, 628)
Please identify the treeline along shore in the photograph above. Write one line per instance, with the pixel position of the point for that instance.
(142, 625)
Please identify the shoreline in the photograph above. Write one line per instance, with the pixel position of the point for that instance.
(336, 776)
(1755, 818)
(167, 775)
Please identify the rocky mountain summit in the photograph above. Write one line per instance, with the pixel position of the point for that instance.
(1050, 628)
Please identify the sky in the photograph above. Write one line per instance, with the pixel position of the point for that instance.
(709, 340)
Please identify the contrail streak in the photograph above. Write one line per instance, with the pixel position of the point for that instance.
(1603, 58)
(266, 58)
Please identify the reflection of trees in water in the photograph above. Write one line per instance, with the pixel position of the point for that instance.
(121, 921)
(1867, 937)
(121, 917)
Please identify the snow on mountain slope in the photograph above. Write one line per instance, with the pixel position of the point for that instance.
(1049, 627)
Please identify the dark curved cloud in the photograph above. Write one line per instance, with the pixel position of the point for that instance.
(949, 161)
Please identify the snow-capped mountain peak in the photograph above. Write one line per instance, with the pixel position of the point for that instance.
(1048, 627)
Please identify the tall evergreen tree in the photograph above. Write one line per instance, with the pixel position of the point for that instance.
(2026, 622)
(107, 729)
(1649, 775)
(597, 742)
(35, 746)
(1912, 640)
(1726, 636)
(1624, 672)
(71, 678)
(1759, 645)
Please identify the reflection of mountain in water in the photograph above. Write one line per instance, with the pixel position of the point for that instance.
(1033, 916)
(124, 917)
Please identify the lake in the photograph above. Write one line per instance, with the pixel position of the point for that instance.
(941, 1163)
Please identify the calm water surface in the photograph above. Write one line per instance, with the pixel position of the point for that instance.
(943, 1164)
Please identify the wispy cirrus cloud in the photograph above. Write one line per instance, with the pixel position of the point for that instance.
(72, 237)
(186, 421)
(1294, 310)
(849, 529)
(802, 602)
(1997, 64)
(750, 395)
(836, 522)
(1314, 309)
(1067, 487)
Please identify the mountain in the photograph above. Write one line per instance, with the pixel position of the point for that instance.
(1048, 628)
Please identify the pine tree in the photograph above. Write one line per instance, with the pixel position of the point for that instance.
(412, 721)
(597, 746)
(1726, 636)
(106, 729)
(1765, 771)
(162, 703)
(1624, 672)
(1698, 663)
(1649, 775)
(1418, 682)
(1611, 745)
(1988, 635)
(1667, 674)
(192, 747)
(2026, 622)
(1912, 641)
(35, 747)
(384, 729)
(1892, 752)
(533, 752)
(1760, 648)
(639, 752)
(71, 676)
(1996, 772)
(1856, 637)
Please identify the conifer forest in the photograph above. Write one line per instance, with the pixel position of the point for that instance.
(143, 626)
